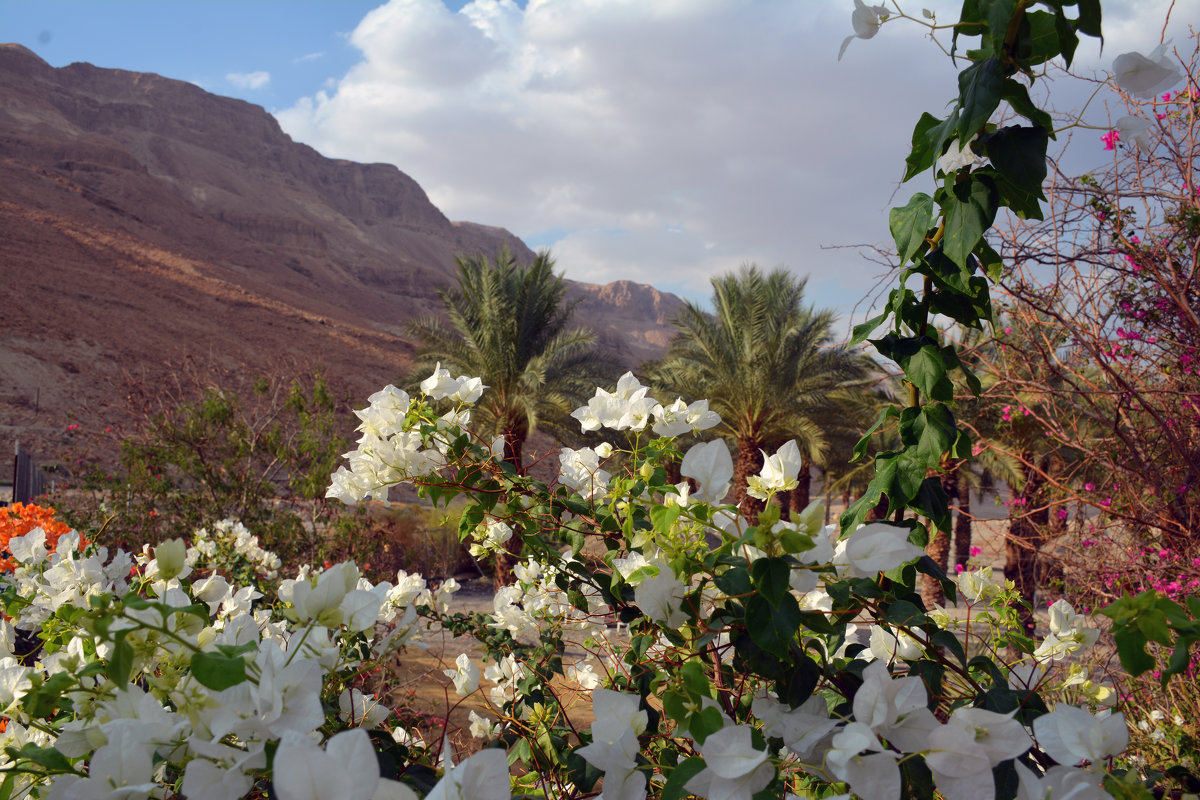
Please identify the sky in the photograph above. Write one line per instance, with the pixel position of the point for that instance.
(658, 141)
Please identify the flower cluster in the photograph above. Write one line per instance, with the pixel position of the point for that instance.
(19, 519)
(757, 656)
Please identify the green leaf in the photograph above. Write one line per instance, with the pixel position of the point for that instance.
(773, 627)
(865, 329)
(928, 140)
(999, 14)
(970, 209)
(734, 582)
(1018, 152)
(217, 671)
(1131, 647)
(770, 577)
(927, 369)
(690, 768)
(120, 666)
(902, 612)
(1038, 39)
(663, 517)
(1089, 18)
(46, 757)
(695, 680)
(930, 429)
(860, 449)
(979, 87)
(910, 224)
(1017, 96)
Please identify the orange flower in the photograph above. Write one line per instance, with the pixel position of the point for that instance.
(20, 518)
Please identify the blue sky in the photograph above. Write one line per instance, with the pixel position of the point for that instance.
(660, 141)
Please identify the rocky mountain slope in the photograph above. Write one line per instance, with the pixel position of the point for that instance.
(144, 219)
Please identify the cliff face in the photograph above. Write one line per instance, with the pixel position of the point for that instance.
(144, 219)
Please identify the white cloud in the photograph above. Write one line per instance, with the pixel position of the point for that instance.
(662, 142)
(249, 80)
(308, 57)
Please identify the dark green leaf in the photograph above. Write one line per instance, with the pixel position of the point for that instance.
(928, 140)
(773, 627)
(770, 577)
(979, 89)
(1019, 154)
(970, 209)
(673, 790)
(910, 224)
(1018, 97)
(902, 612)
(800, 681)
(734, 582)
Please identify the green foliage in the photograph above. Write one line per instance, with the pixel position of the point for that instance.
(942, 238)
(260, 452)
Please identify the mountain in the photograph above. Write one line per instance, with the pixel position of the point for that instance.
(144, 219)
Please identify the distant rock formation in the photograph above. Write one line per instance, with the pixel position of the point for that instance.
(144, 218)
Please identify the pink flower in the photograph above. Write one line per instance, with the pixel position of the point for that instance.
(1089, 487)
(1110, 140)
(1106, 502)
(1061, 513)
(958, 568)
(975, 551)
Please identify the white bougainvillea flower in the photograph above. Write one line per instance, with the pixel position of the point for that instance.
(711, 466)
(866, 21)
(977, 584)
(660, 597)
(1070, 735)
(1136, 130)
(482, 727)
(580, 471)
(894, 708)
(1060, 782)
(465, 677)
(733, 768)
(802, 728)
(887, 646)
(346, 769)
(962, 753)
(614, 746)
(873, 776)
(778, 473)
(440, 384)
(1146, 76)
(875, 548)
(627, 407)
(958, 156)
(680, 418)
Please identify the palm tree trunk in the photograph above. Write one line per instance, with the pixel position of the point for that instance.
(749, 462)
(939, 544)
(962, 528)
(514, 446)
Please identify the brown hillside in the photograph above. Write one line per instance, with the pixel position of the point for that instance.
(143, 218)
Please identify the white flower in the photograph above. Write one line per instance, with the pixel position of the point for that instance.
(440, 384)
(1070, 735)
(733, 768)
(679, 418)
(466, 677)
(580, 471)
(711, 466)
(170, 556)
(976, 585)
(875, 776)
(1145, 76)
(866, 21)
(964, 750)
(875, 548)
(886, 646)
(583, 674)
(778, 472)
(1136, 130)
(1067, 783)
(801, 728)
(482, 727)
(958, 156)
(345, 770)
(661, 597)
(614, 746)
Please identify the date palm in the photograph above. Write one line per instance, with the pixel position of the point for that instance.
(767, 365)
(508, 326)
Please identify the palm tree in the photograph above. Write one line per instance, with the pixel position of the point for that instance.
(508, 326)
(766, 362)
